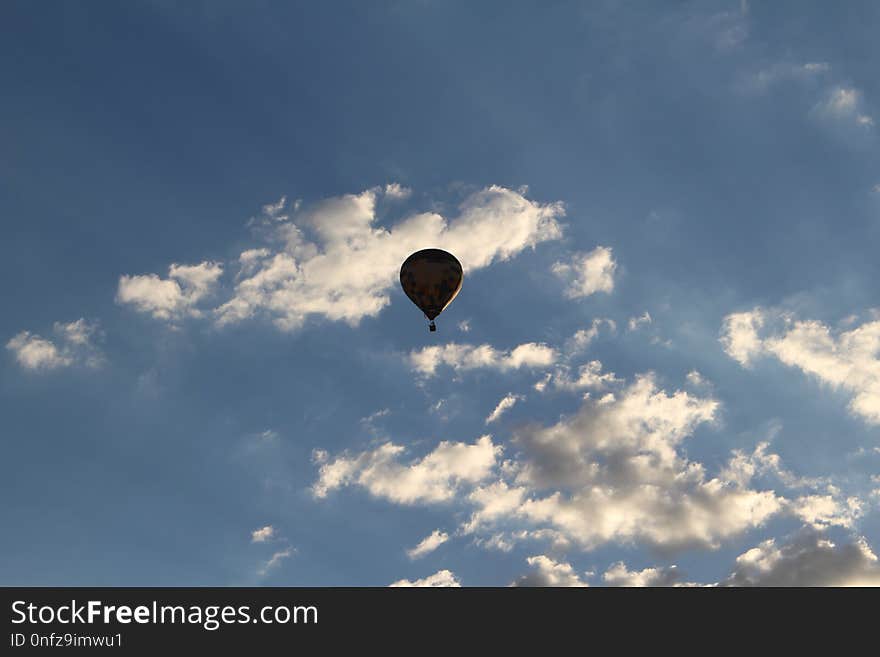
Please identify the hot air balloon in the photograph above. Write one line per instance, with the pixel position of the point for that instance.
(431, 278)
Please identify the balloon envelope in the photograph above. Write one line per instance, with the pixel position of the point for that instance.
(431, 278)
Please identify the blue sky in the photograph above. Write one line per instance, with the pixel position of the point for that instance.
(668, 219)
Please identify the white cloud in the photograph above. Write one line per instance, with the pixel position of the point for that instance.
(619, 575)
(440, 578)
(810, 559)
(542, 384)
(504, 405)
(433, 478)
(582, 338)
(844, 103)
(35, 353)
(589, 375)
(428, 544)
(370, 422)
(74, 345)
(840, 103)
(173, 297)
(548, 572)
(739, 335)
(616, 471)
(274, 210)
(842, 100)
(349, 270)
(613, 472)
(848, 360)
(635, 322)
(464, 325)
(696, 379)
(743, 467)
(396, 192)
(823, 511)
(469, 357)
(263, 534)
(250, 259)
(588, 273)
(79, 332)
(276, 559)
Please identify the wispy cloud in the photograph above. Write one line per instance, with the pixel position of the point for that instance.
(275, 560)
(635, 322)
(845, 104)
(428, 544)
(504, 405)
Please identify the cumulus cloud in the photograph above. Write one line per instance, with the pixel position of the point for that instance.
(587, 273)
(433, 478)
(616, 475)
(810, 559)
(35, 353)
(74, 344)
(263, 534)
(428, 544)
(440, 578)
(847, 360)
(823, 511)
(619, 575)
(547, 572)
(468, 357)
(331, 259)
(173, 297)
(504, 405)
(615, 471)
